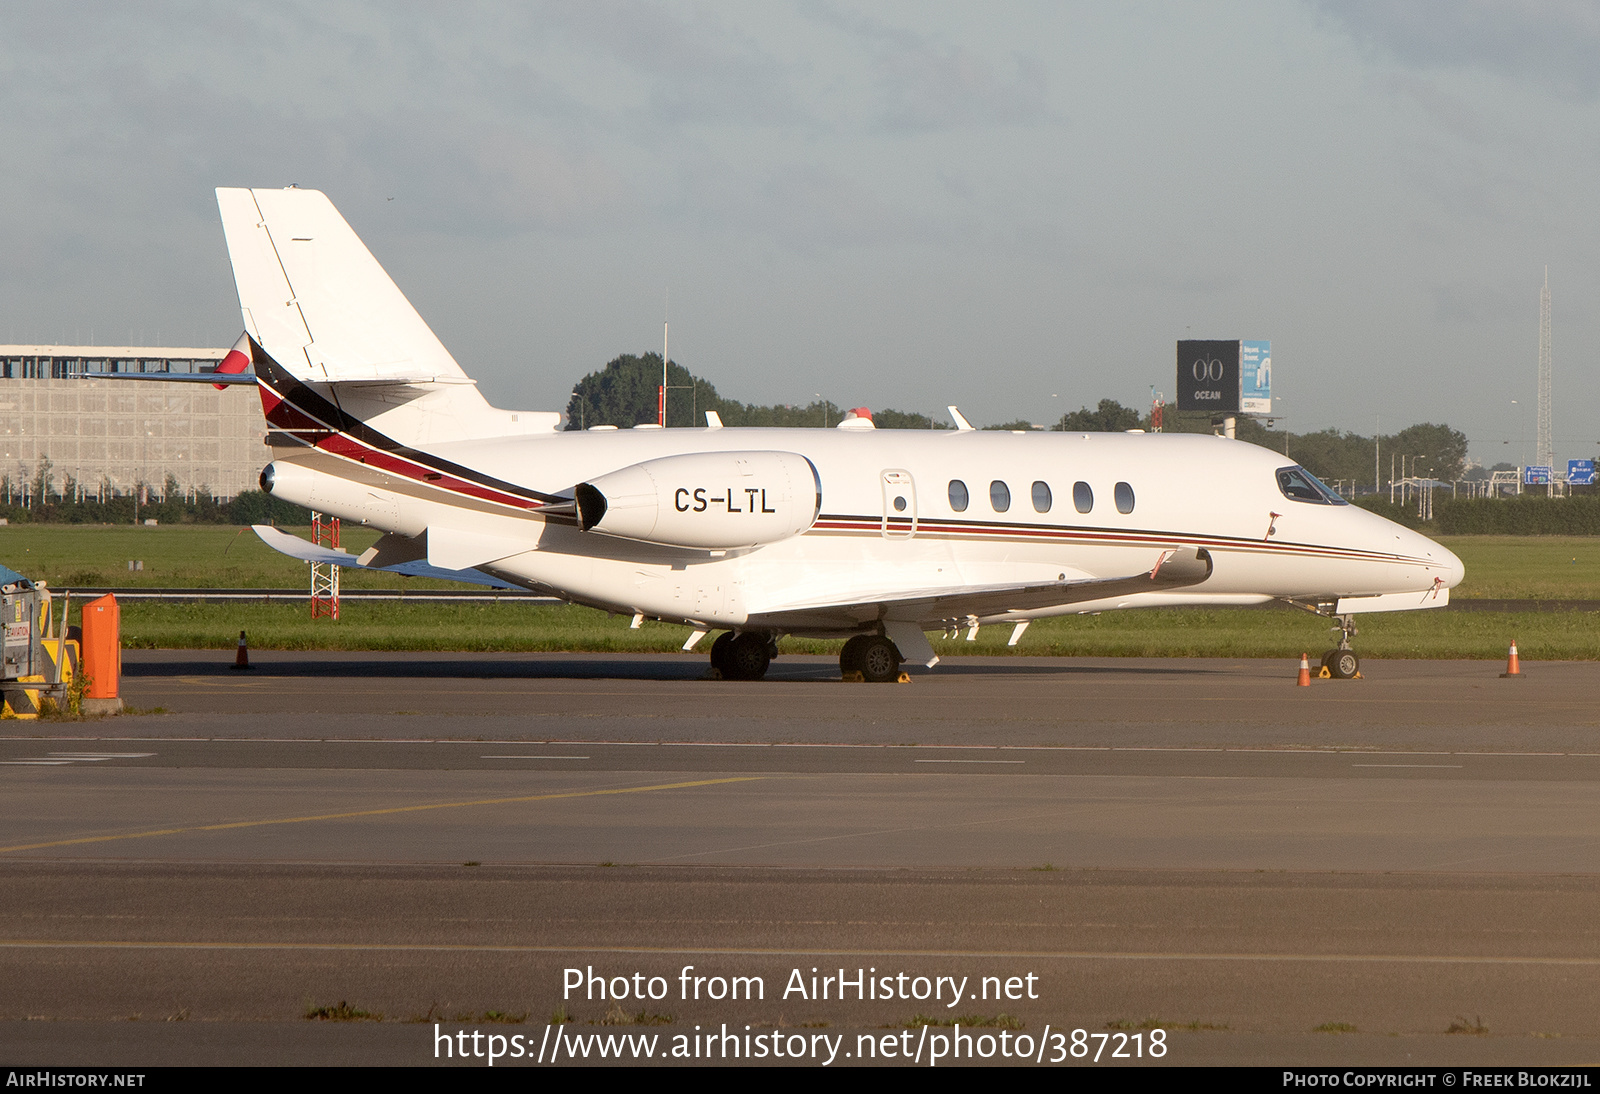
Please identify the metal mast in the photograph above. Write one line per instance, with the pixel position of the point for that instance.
(1546, 453)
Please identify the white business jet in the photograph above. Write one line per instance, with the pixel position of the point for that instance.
(875, 537)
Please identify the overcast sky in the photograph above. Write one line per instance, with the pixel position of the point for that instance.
(1013, 207)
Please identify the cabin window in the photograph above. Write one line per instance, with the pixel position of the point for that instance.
(1082, 497)
(1299, 484)
(1124, 497)
(900, 505)
(1041, 497)
(999, 496)
(958, 495)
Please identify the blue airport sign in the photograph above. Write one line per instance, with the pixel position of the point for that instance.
(1536, 476)
(1580, 472)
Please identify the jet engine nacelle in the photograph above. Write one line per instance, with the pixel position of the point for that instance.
(340, 497)
(714, 500)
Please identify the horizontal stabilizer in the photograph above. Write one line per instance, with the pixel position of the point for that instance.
(295, 547)
(217, 379)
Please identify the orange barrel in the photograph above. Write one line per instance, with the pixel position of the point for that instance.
(102, 647)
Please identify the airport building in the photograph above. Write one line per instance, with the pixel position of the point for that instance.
(115, 436)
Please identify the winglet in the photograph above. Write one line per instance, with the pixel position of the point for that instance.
(962, 425)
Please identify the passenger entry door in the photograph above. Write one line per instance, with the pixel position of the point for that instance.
(899, 504)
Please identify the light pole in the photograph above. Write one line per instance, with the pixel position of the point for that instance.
(1414, 459)
(583, 413)
(1522, 442)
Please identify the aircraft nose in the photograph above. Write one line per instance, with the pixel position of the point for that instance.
(1454, 571)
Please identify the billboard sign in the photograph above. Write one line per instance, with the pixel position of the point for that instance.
(1255, 378)
(1580, 472)
(1208, 376)
(1536, 476)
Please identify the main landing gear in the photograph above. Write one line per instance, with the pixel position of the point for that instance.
(1341, 661)
(743, 656)
(746, 655)
(874, 656)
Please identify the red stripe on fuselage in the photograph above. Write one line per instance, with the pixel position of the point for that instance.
(341, 444)
(871, 526)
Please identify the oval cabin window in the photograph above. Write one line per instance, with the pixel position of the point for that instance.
(958, 495)
(1124, 496)
(1082, 497)
(999, 496)
(1041, 497)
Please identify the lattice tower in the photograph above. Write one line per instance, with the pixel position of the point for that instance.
(1546, 447)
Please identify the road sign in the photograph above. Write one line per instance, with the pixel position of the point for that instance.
(1580, 472)
(1536, 476)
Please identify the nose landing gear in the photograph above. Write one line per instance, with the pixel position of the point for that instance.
(1341, 661)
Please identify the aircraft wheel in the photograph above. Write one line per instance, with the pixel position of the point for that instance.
(850, 656)
(748, 656)
(719, 652)
(1344, 664)
(879, 660)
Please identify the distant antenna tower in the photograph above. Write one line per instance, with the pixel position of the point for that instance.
(1546, 449)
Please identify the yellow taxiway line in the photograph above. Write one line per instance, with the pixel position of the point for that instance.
(375, 813)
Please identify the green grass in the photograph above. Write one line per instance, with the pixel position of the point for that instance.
(1501, 567)
(390, 625)
(176, 556)
(1528, 567)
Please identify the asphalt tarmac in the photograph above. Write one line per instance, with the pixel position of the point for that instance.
(1328, 875)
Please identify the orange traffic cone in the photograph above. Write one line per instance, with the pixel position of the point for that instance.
(1512, 670)
(242, 659)
(1305, 672)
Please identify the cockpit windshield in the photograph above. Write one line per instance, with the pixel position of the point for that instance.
(1301, 485)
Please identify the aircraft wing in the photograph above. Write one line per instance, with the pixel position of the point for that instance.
(1174, 569)
(295, 547)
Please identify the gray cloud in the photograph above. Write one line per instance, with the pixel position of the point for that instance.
(1552, 43)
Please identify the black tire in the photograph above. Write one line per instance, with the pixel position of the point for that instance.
(850, 656)
(879, 660)
(719, 652)
(1327, 660)
(1344, 664)
(748, 656)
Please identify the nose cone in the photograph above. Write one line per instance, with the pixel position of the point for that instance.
(1443, 561)
(1456, 570)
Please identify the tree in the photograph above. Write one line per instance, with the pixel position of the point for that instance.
(624, 393)
(904, 419)
(1018, 424)
(1109, 417)
(44, 482)
(1443, 450)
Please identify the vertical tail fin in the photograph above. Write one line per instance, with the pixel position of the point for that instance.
(319, 305)
(316, 300)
